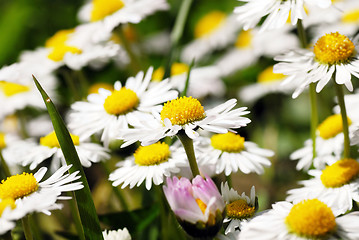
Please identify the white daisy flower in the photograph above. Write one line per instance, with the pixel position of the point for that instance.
(229, 152)
(23, 188)
(239, 208)
(112, 111)
(213, 31)
(112, 13)
(120, 234)
(336, 185)
(278, 11)
(150, 164)
(229, 236)
(267, 82)
(332, 54)
(33, 153)
(329, 144)
(308, 219)
(252, 44)
(6, 223)
(187, 114)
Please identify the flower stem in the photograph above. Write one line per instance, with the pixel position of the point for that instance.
(4, 166)
(313, 117)
(188, 146)
(229, 180)
(341, 102)
(26, 228)
(301, 34)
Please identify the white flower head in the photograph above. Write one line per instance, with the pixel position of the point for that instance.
(150, 164)
(333, 55)
(186, 114)
(120, 234)
(111, 112)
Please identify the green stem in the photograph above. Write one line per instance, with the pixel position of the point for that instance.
(26, 228)
(83, 82)
(76, 217)
(314, 117)
(229, 181)
(188, 146)
(22, 120)
(301, 34)
(4, 166)
(341, 102)
(163, 212)
(70, 83)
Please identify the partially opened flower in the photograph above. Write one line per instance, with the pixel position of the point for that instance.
(308, 219)
(333, 55)
(336, 185)
(150, 164)
(230, 152)
(110, 112)
(120, 234)
(198, 206)
(186, 114)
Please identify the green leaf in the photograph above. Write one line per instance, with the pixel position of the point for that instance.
(88, 215)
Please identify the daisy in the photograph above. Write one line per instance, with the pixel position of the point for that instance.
(239, 208)
(198, 205)
(33, 153)
(120, 234)
(279, 12)
(150, 164)
(23, 188)
(112, 13)
(186, 114)
(334, 55)
(336, 185)
(112, 111)
(308, 219)
(230, 152)
(250, 45)
(329, 144)
(213, 31)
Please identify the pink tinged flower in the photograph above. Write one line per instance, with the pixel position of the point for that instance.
(198, 206)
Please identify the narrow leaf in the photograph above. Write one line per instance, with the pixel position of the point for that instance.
(88, 215)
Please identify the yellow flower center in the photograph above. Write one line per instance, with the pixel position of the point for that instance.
(179, 68)
(268, 76)
(18, 186)
(95, 87)
(183, 110)
(201, 205)
(351, 16)
(209, 23)
(59, 38)
(340, 173)
(10, 89)
(2, 140)
(121, 101)
(244, 39)
(158, 74)
(311, 219)
(240, 209)
(51, 141)
(103, 8)
(333, 48)
(228, 142)
(7, 202)
(152, 155)
(58, 53)
(331, 126)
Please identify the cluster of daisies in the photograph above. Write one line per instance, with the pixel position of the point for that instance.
(172, 125)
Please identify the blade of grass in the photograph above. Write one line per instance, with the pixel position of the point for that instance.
(88, 215)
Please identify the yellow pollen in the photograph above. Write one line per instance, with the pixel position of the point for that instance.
(244, 39)
(340, 173)
(10, 89)
(95, 87)
(183, 110)
(240, 209)
(51, 141)
(228, 142)
(7, 202)
(121, 101)
(58, 52)
(152, 155)
(331, 126)
(351, 16)
(311, 219)
(158, 74)
(103, 8)
(18, 186)
(268, 76)
(209, 23)
(333, 48)
(59, 38)
(201, 205)
(2, 140)
(179, 68)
